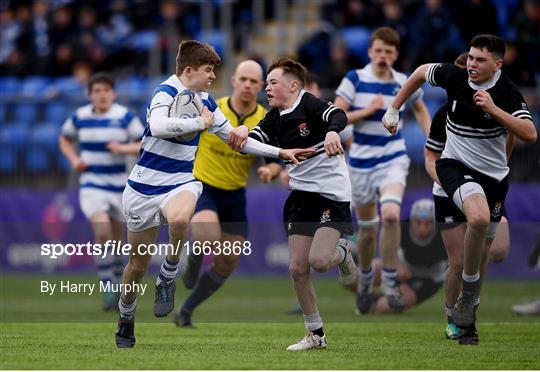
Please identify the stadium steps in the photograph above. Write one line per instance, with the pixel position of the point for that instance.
(267, 44)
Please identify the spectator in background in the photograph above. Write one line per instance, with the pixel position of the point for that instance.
(435, 36)
(394, 18)
(474, 17)
(527, 26)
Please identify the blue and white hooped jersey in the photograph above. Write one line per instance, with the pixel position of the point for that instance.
(106, 170)
(373, 146)
(167, 163)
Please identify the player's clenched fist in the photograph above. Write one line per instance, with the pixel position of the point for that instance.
(483, 100)
(390, 119)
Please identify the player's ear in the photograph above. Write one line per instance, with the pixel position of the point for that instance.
(498, 63)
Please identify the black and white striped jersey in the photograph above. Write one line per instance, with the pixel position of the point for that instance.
(305, 125)
(473, 136)
(437, 131)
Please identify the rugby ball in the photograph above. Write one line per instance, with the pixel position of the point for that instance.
(186, 104)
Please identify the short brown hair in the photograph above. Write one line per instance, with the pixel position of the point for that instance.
(290, 66)
(387, 35)
(461, 60)
(100, 77)
(195, 54)
(494, 44)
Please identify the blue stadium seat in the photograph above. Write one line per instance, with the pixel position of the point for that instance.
(143, 40)
(56, 112)
(3, 112)
(45, 135)
(132, 87)
(37, 159)
(414, 140)
(357, 41)
(8, 159)
(68, 87)
(9, 85)
(215, 38)
(25, 112)
(35, 86)
(14, 134)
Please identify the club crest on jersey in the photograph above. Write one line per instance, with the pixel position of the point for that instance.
(304, 130)
(497, 210)
(325, 217)
(487, 115)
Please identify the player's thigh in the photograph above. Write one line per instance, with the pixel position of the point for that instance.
(179, 209)
(299, 247)
(324, 244)
(101, 226)
(205, 226)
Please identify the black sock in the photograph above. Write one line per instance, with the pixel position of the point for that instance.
(208, 283)
(470, 288)
(319, 332)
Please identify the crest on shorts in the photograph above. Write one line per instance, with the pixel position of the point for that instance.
(497, 210)
(304, 130)
(325, 217)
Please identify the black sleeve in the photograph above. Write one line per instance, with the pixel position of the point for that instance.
(437, 132)
(326, 112)
(265, 131)
(444, 75)
(516, 105)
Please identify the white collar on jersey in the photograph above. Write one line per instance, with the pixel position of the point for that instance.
(369, 69)
(488, 84)
(295, 104)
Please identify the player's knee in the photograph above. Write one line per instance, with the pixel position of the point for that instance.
(225, 264)
(298, 271)
(455, 267)
(137, 269)
(178, 225)
(498, 254)
(478, 220)
(319, 264)
(390, 218)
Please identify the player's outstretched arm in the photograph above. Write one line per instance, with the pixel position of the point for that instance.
(391, 117)
(132, 148)
(163, 126)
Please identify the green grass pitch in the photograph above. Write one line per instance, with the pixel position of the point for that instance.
(244, 326)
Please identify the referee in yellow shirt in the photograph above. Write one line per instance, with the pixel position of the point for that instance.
(220, 214)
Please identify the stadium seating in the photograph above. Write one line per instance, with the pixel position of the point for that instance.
(9, 86)
(414, 140)
(25, 112)
(45, 135)
(357, 41)
(56, 112)
(14, 135)
(8, 159)
(35, 86)
(37, 160)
